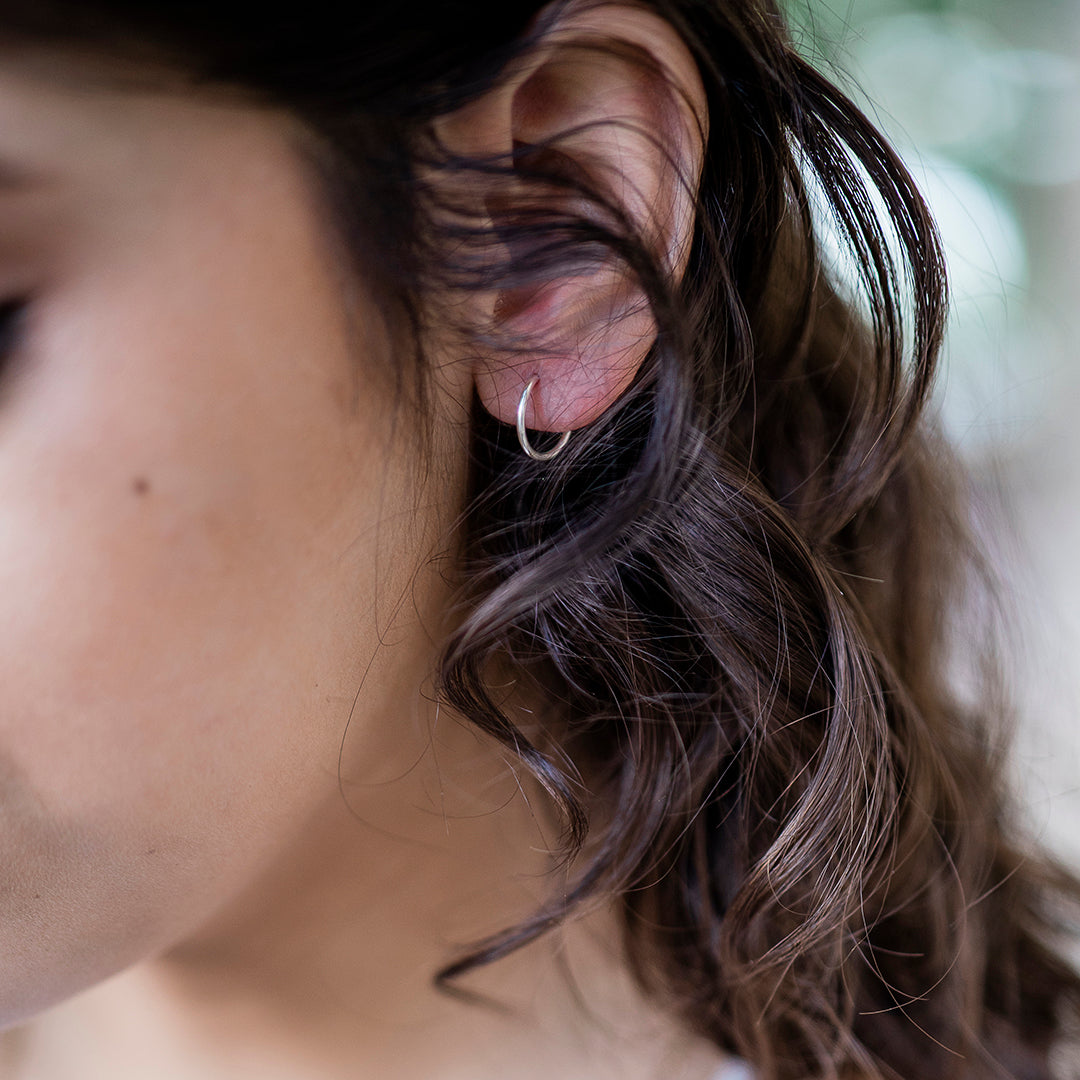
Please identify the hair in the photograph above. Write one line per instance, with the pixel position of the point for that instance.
(733, 598)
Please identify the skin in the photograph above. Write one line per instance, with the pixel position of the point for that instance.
(221, 772)
(195, 507)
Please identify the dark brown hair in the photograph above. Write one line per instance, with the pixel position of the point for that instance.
(732, 600)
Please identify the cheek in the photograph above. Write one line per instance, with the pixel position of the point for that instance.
(173, 620)
(185, 522)
(165, 539)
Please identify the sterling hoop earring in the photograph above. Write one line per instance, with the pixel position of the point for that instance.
(523, 438)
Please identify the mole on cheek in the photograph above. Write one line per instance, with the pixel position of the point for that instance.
(140, 485)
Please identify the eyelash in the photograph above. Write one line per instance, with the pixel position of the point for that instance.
(11, 313)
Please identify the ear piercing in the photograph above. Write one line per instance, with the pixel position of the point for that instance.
(523, 438)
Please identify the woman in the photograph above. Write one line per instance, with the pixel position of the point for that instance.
(476, 585)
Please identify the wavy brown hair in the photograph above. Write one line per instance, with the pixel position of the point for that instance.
(732, 600)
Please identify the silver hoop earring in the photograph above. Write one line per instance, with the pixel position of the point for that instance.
(523, 438)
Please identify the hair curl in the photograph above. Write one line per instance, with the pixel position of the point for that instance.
(730, 599)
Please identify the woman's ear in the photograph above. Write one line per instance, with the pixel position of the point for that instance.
(610, 100)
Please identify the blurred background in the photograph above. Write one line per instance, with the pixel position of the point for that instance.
(982, 98)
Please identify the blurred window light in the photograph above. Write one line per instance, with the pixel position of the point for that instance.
(984, 127)
(951, 83)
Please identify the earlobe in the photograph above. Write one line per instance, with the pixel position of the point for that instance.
(609, 105)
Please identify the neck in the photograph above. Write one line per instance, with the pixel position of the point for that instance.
(324, 964)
